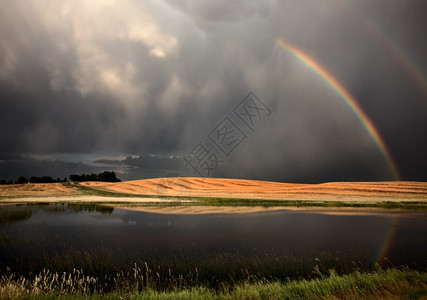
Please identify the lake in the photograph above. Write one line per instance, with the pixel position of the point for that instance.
(275, 244)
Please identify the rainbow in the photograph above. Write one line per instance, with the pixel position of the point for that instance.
(387, 242)
(394, 50)
(349, 100)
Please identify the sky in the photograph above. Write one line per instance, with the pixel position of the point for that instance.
(288, 91)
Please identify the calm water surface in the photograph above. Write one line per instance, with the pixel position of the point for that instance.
(30, 234)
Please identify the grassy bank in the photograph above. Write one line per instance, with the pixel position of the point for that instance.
(309, 203)
(393, 283)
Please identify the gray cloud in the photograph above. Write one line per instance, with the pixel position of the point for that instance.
(29, 166)
(155, 77)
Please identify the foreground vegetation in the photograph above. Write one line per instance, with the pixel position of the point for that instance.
(383, 284)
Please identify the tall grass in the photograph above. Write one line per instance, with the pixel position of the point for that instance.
(186, 268)
(392, 283)
(46, 282)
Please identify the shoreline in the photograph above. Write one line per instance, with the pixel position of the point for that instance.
(219, 205)
(336, 211)
(226, 194)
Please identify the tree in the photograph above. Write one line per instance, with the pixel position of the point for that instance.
(22, 179)
(75, 177)
(108, 176)
(43, 179)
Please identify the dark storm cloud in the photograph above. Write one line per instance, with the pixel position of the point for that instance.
(154, 78)
(57, 122)
(150, 162)
(145, 166)
(30, 166)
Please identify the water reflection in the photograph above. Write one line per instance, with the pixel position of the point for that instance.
(13, 214)
(63, 236)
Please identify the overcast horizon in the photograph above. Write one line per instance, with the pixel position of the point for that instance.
(272, 90)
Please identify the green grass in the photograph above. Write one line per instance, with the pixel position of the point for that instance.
(382, 284)
(309, 203)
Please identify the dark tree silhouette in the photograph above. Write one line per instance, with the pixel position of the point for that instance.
(104, 176)
(43, 179)
(22, 179)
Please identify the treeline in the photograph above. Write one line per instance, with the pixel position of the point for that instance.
(104, 176)
(42, 179)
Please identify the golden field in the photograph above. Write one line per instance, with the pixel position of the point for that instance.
(184, 187)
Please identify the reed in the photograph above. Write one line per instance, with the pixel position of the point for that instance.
(187, 268)
(382, 284)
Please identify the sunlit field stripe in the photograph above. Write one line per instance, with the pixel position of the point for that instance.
(348, 99)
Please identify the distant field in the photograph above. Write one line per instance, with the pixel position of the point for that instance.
(219, 192)
(36, 190)
(253, 189)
